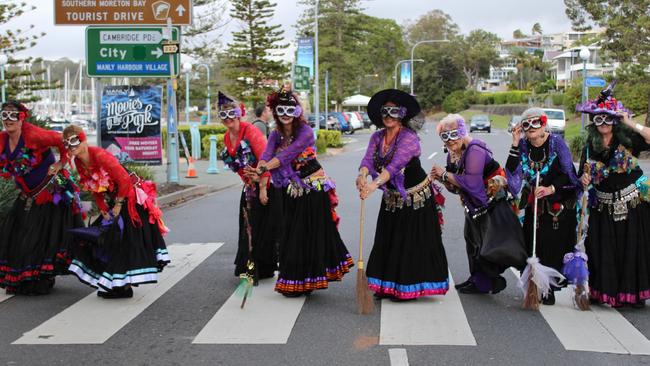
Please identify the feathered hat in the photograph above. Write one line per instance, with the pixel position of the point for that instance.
(604, 104)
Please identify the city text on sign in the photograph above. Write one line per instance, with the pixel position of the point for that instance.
(120, 12)
(129, 51)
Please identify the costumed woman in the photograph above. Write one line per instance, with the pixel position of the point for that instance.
(311, 250)
(408, 259)
(493, 235)
(244, 145)
(130, 250)
(34, 238)
(618, 238)
(548, 154)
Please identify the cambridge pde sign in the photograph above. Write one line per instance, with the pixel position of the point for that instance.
(121, 12)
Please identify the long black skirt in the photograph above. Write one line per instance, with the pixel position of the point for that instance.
(553, 242)
(619, 256)
(311, 250)
(262, 219)
(494, 241)
(131, 256)
(408, 259)
(35, 243)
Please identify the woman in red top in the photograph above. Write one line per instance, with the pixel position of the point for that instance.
(130, 250)
(34, 238)
(244, 145)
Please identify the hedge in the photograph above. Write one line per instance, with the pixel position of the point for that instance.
(204, 130)
(205, 145)
(332, 138)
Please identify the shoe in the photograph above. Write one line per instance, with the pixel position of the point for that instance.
(291, 294)
(463, 284)
(396, 299)
(498, 285)
(471, 289)
(116, 293)
(379, 296)
(549, 299)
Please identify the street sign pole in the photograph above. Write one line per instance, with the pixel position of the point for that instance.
(172, 109)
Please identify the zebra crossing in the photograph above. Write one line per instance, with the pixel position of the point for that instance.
(270, 319)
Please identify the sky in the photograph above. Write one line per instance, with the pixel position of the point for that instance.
(497, 16)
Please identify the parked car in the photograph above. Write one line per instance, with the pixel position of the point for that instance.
(343, 123)
(366, 120)
(556, 121)
(332, 122)
(513, 122)
(354, 121)
(480, 122)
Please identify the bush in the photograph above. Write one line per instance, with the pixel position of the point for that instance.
(205, 144)
(558, 99)
(455, 102)
(576, 145)
(143, 171)
(332, 138)
(634, 97)
(203, 130)
(321, 144)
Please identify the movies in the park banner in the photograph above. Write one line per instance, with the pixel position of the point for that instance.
(130, 123)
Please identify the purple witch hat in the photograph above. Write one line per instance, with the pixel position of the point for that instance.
(604, 104)
(223, 99)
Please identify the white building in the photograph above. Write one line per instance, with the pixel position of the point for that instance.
(568, 66)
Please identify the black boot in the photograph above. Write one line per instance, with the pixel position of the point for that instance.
(549, 299)
(498, 284)
(463, 284)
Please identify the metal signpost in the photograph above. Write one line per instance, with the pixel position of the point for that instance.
(130, 51)
(121, 12)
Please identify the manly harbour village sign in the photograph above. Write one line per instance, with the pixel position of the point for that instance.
(128, 51)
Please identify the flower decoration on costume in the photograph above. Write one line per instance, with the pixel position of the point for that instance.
(243, 156)
(98, 182)
(604, 104)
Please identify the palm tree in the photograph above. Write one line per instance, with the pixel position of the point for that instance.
(537, 29)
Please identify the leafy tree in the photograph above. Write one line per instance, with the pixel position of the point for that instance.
(627, 34)
(435, 24)
(518, 34)
(250, 55)
(475, 53)
(19, 79)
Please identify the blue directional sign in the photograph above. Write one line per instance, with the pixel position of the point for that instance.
(594, 82)
(129, 51)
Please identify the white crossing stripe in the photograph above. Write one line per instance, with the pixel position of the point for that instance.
(601, 329)
(398, 357)
(93, 320)
(267, 318)
(4, 297)
(431, 320)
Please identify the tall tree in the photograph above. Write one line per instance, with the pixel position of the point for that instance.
(518, 34)
(475, 53)
(253, 56)
(537, 29)
(435, 24)
(627, 34)
(19, 78)
(201, 40)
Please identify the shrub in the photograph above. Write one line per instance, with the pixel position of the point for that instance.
(203, 130)
(143, 171)
(205, 144)
(332, 138)
(634, 97)
(558, 99)
(321, 144)
(455, 102)
(576, 145)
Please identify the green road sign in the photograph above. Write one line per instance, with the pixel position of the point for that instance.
(129, 51)
(301, 78)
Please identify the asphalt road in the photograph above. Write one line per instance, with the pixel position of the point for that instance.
(327, 329)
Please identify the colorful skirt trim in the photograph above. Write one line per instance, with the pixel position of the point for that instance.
(407, 291)
(318, 283)
(12, 277)
(619, 299)
(108, 281)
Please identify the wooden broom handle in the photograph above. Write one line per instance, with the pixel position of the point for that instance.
(362, 219)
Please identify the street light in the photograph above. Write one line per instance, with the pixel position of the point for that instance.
(187, 69)
(413, 51)
(3, 62)
(584, 56)
(207, 70)
(397, 67)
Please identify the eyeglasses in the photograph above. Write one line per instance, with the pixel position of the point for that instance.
(534, 123)
(390, 111)
(229, 114)
(452, 135)
(72, 141)
(10, 115)
(286, 110)
(603, 118)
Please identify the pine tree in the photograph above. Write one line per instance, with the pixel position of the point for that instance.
(20, 79)
(251, 63)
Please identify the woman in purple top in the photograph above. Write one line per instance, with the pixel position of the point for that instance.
(408, 259)
(493, 235)
(548, 154)
(311, 250)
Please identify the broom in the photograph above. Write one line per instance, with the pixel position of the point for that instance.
(575, 264)
(536, 279)
(364, 299)
(248, 278)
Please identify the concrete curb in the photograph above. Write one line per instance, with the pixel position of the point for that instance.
(184, 195)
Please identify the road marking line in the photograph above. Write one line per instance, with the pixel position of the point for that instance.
(93, 320)
(431, 320)
(432, 155)
(601, 329)
(398, 357)
(360, 149)
(5, 297)
(267, 318)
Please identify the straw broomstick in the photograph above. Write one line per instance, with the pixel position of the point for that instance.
(536, 280)
(575, 263)
(364, 299)
(248, 279)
